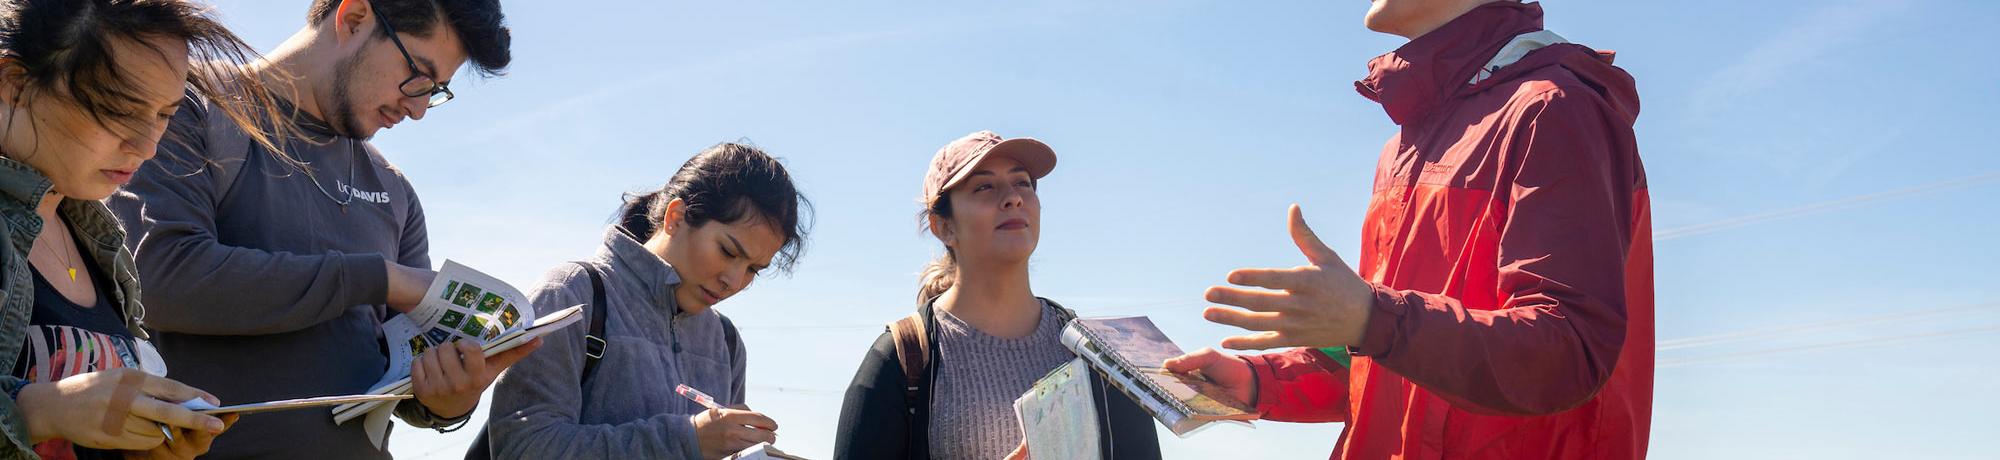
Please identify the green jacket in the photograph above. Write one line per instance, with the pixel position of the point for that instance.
(21, 189)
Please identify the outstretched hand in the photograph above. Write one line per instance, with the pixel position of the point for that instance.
(1322, 304)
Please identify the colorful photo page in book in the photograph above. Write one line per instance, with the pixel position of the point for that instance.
(461, 304)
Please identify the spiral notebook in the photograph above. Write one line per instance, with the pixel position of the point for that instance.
(1128, 351)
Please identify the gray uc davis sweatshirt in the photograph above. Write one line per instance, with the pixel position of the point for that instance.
(260, 284)
(629, 408)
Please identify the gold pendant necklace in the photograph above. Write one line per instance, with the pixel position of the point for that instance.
(68, 263)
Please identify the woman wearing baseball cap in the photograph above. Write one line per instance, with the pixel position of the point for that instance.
(941, 382)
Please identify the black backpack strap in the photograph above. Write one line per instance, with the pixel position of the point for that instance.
(593, 345)
(729, 337)
(593, 342)
(1063, 315)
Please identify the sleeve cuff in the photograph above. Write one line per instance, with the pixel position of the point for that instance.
(680, 429)
(1266, 395)
(1385, 319)
(370, 273)
(1268, 378)
(14, 423)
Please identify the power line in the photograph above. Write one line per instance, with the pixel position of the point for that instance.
(1740, 336)
(1922, 336)
(799, 390)
(1815, 208)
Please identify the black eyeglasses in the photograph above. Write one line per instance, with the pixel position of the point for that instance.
(419, 84)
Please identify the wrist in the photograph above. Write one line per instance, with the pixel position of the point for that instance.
(30, 400)
(1360, 307)
(406, 286)
(392, 284)
(1249, 395)
(442, 423)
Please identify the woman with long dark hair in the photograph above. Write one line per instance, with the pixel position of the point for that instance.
(725, 217)
(86, 89)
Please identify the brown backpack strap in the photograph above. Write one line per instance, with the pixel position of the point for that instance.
(913, 351)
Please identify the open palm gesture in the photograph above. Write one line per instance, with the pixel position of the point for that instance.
(1323, 304)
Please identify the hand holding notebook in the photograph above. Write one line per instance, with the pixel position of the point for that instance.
(1225, 371)
(1129, 352)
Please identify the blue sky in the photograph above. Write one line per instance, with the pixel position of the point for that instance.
(1821, 167)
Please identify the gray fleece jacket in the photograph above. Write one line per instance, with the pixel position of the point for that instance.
(629, 408)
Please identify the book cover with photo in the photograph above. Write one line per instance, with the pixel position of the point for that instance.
(1128, 351)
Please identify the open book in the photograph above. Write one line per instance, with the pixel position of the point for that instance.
(462, 304)
(1059, 414)
(1129, 351)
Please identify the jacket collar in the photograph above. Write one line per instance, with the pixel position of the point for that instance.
(22, 186)
(1418, 77)
(21, 191)
(630, 258)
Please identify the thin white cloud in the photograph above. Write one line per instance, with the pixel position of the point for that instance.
(1822, 207)
(1786, 55)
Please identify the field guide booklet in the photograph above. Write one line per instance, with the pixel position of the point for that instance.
(1128, 351)
(1059, 414)
(461, 304)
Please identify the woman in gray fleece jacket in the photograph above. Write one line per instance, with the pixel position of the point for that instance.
(726, 215)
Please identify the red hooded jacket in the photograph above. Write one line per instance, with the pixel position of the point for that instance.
(1509, 240)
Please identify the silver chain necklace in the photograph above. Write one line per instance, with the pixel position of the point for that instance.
(345, 197)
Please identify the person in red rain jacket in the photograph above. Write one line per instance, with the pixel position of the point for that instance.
(1503, 305)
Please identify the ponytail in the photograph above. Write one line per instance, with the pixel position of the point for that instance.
(942, 273)
(939, 275)
(636, 217)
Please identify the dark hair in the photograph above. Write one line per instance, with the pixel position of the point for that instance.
(65, 47)
(726, 183)
(478, 23)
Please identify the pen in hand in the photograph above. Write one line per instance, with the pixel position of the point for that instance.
(700, 398)
(697, 396)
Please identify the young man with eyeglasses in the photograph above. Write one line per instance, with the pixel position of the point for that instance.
(268, 274)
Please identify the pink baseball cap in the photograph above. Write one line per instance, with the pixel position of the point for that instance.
(956, 160)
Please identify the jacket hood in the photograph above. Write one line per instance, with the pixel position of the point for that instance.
(1416, 78)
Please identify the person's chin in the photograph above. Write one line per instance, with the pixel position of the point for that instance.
(93, 191)
(693, 306)
(1018, 251)
(1017, 241)
(362, 130)
(1377, 21)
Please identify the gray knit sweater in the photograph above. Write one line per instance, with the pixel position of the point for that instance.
(972, 408)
